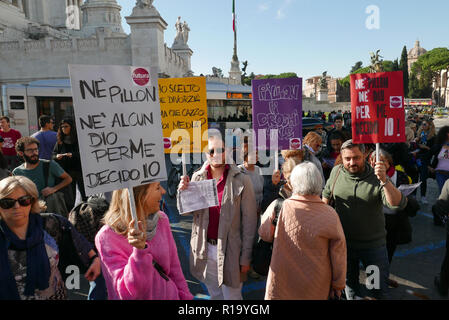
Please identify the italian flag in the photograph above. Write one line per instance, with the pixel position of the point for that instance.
(233, 15)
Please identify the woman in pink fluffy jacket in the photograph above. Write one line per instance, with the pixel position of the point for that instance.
(140, 264)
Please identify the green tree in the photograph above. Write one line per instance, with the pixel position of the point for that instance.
(403, 66)
(247, 80)
(427, 69)
(280, 76)
(345, 82)
(395, 65)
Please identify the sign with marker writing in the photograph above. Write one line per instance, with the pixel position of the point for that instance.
(183, 102)
(118, 123)
(377, 107)
(277, 113)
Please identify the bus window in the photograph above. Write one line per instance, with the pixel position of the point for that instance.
(14, 105)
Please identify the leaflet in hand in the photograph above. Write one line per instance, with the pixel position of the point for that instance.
(407, 189)
(199, 195)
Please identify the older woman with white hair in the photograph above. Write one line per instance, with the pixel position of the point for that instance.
(309, 250)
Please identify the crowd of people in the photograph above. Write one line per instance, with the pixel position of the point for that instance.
(330, 208)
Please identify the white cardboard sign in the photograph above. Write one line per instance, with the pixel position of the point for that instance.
(118, 122)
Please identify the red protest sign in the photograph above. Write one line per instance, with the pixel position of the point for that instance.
(377, 105)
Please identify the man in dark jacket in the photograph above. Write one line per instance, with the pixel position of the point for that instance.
(338, 126)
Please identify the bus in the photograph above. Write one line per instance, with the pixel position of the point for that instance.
(229, 106)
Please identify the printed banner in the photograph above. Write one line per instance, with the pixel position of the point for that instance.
(377, 107)
(277, 104)
(118, 124)
(183, 101)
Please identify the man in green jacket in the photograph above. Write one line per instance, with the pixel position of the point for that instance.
(359, 194)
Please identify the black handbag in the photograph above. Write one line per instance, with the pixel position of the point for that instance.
(263, 250)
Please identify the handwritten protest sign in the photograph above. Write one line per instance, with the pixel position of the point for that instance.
(277, 104)
(183, 101)
(377, 105)
(118, 125)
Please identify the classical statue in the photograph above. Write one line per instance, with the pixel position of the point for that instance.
(376, 62)
(185, 32)
(323, 82)
(179, 38)
(218, 73)
(245, 65)
(144, 3)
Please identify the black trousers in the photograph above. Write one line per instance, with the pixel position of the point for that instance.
(444, 274)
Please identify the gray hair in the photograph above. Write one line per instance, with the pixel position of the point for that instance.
(306, 179)
(348, 144)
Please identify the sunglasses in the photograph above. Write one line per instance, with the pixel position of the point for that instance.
(63, 127)
(217, 150)
(8, 203)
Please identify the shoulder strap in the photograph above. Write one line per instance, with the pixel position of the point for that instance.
(336, 177)
(277, 209)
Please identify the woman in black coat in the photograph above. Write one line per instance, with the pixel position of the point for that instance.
(397, 224)
(66, 153)
(425, 139)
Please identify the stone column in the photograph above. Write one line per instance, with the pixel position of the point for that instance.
(147, 37)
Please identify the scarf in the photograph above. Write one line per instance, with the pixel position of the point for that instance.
(310, 149)
(38, 266)
(152, 225)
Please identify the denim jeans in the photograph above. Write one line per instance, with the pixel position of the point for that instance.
(97, 290)
(441, 179)
(377, 257)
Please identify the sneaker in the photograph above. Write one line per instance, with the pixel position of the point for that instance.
(424, 200)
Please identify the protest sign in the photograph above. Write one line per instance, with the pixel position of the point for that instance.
(277, 104)
(183, 101)
(377, 107)
(118, 123)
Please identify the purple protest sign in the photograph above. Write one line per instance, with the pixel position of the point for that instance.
(277, 104)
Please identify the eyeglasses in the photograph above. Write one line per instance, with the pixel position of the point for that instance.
(216, 150)
(8, 203)
(63, 127)
(32, 150)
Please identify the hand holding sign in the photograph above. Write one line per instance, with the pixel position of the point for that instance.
(380, 171)
(137, 237)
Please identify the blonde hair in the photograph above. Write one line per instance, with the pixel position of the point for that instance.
(312, 137)
(431, 132)
(9, 184)
(289, 164)
(409, 134)
(119, 214)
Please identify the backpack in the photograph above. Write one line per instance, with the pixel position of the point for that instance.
(86, 216)
(263, 250)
